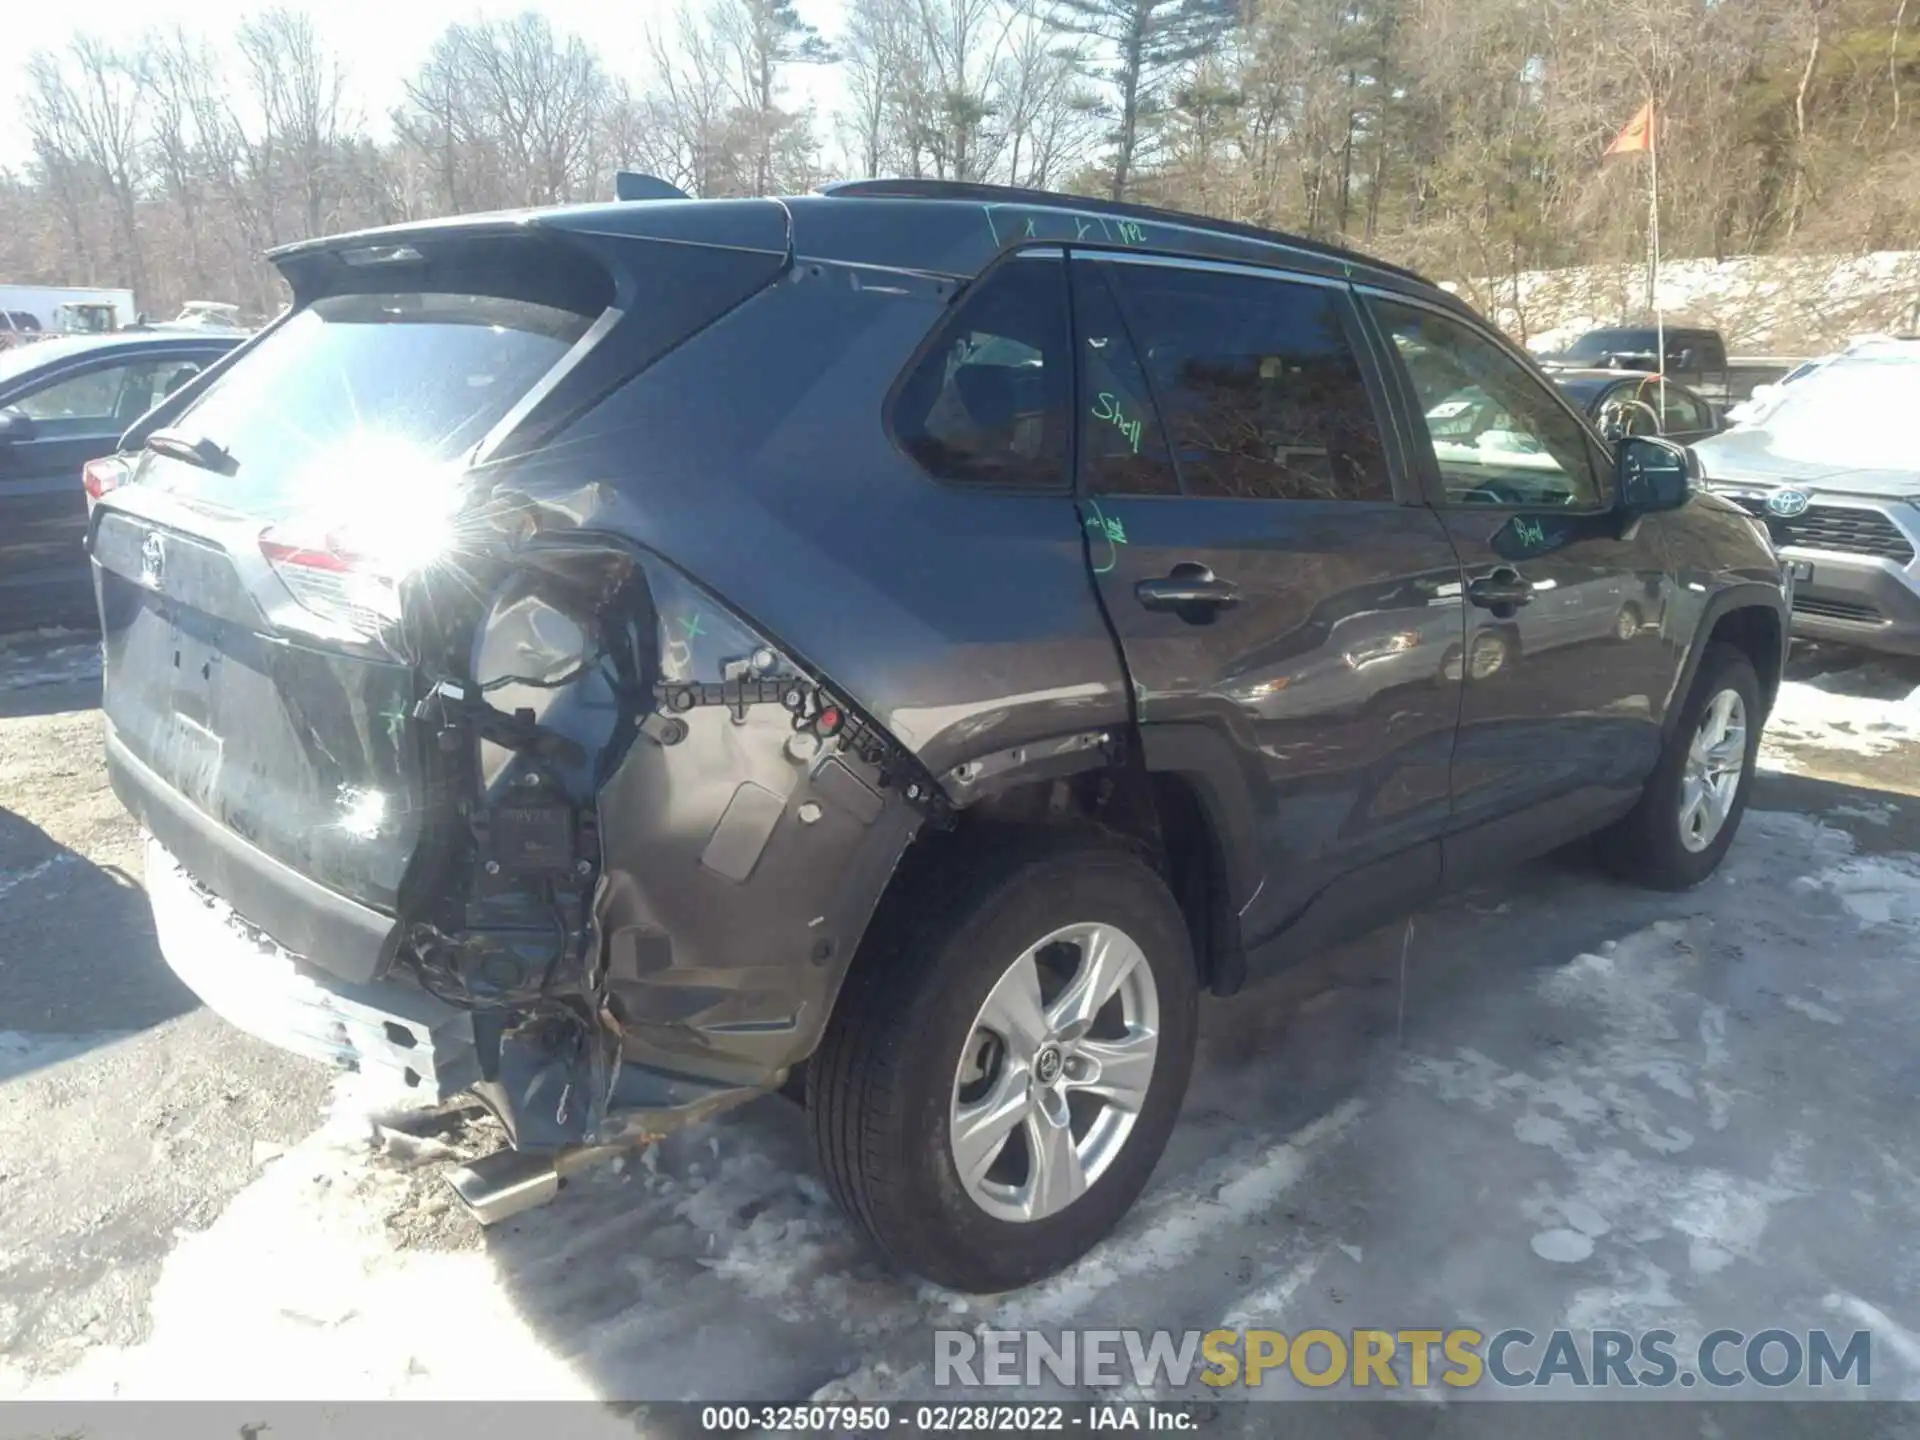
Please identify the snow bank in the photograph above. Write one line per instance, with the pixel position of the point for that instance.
(1763, 304)
(1867, 709)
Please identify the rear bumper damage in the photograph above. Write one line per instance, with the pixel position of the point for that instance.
(387, 1029)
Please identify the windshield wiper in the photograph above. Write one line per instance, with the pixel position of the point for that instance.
(207, 454)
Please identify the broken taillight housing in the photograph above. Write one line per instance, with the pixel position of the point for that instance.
(333, 581)
(97, 477)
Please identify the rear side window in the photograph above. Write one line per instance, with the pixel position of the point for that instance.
(1257, 384)
(989, 401)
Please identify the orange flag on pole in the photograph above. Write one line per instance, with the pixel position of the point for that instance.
(1637, 136)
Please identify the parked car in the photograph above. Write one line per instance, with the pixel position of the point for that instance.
(1639, 405)
(18, 327)
(63, 404)
(214, 315)
(1833, 469)
(630, 659)
(1695, 356)
(1762, 397)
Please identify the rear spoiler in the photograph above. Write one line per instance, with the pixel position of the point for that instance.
(632, 185)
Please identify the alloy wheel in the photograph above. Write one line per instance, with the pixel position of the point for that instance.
(1716, 759)
(1054, 1073)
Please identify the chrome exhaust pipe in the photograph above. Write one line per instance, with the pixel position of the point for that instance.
(504, 1184)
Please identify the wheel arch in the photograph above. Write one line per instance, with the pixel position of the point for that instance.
(1754, 619)
(1175, 797)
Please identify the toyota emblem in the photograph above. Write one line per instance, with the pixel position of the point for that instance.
(153, 560)
(1787, 504)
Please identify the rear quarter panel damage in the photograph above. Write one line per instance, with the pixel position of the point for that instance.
(750, 471)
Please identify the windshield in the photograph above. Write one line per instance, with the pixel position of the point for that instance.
(1853, 413)
(379, 390)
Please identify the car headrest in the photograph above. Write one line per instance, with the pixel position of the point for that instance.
(990, 394)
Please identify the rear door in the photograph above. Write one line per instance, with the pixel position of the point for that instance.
(1291, 619)
(72, 415)
(1566, 666)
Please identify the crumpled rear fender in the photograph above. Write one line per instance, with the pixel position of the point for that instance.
(726, 819)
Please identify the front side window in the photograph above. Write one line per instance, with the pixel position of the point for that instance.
(989, 402)
(1681, 410)
(1499, 437)
(1257, 384)
(108, 399)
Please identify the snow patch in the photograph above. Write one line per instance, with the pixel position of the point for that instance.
(1814, 1011)
(61, 665)
(1563, 1247)
(1179, 1223)
(296, 1292)
(11, 882)
(1839, 711)
(1762, 304)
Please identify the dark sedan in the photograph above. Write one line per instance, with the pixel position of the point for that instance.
(1623, 403)
(62, 404)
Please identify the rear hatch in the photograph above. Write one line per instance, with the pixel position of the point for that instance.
(285, 547)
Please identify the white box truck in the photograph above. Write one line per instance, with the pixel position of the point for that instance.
(31, 312)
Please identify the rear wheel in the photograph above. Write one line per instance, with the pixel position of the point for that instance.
(1687, 815)
(1000, 1077)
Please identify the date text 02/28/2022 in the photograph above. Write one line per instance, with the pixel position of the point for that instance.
(942, 1418)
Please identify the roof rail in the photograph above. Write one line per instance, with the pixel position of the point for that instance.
(904, 189)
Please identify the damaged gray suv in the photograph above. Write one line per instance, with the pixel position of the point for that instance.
(899, 646)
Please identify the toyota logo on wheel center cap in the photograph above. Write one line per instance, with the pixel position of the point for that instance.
(1046, 1065)
(1787, 503)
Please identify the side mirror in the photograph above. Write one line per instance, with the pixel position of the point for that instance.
(15, 425)
(1651, 474)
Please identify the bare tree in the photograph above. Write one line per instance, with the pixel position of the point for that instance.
(298, 86)
(1137, 47)
(83, 112)
(761, 39)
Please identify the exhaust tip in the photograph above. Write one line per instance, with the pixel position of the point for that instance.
(507, 1182)
(504, 1184)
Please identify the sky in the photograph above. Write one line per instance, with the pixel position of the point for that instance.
(381, 41)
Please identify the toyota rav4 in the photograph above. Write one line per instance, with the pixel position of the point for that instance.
(899, 646)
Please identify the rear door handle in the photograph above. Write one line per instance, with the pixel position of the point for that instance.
(1187, 587)
(1503, 589)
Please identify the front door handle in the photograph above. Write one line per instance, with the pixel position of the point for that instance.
(1501, 590)
(1189, 589)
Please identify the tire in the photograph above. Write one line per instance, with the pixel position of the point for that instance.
(902, 1056)
(1648, 846)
